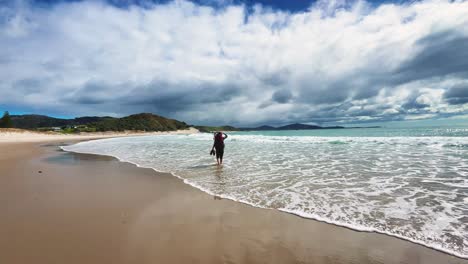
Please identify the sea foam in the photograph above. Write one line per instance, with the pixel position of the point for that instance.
(413, 188)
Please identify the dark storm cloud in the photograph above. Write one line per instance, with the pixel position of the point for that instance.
(325, 92)
(275, 78)
(92, 93)
(369, 92)
(457, 95)
(282, 96)
(179, 97)
(157, 96)
(28, 86)
(412, 103)
(440, 54)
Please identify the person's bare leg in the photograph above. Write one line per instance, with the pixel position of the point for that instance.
(217, 160)
(220, 160)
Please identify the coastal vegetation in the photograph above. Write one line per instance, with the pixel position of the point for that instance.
(141, 122)
(137, 122)
(5, 121)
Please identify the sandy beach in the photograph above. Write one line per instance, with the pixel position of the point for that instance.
(60, 207)
(11, 135)
(276, 132)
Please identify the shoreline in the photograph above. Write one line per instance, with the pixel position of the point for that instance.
(297, 214)
(242, 233)
(22, 136)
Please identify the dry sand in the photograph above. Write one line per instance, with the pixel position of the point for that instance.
(59, 207)
(19, 135)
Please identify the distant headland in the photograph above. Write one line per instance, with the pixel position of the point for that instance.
(136, 122)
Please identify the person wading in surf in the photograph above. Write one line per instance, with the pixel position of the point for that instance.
(218, 144)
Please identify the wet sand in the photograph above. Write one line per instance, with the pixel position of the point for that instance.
(59, 207)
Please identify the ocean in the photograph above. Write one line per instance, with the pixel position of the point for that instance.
(411, 183)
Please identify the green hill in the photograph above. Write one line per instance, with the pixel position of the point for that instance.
(140, 122)
(37, 121)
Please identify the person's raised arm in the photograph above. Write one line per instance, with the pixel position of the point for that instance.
(225, 136)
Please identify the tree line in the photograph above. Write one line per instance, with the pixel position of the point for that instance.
(5, 121)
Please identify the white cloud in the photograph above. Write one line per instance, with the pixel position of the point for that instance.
(338, 61)
(419, 117)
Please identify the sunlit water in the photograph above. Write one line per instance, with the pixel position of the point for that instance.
(409, 183)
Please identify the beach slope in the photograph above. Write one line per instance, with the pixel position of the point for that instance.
(60, 207)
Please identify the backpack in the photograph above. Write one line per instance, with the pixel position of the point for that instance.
(219, 138)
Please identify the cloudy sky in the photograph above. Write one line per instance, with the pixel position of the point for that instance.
(235, 62)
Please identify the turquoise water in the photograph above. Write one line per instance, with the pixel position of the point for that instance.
(411, 183)
(458, 131)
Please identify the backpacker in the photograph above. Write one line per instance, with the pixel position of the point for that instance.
(219, 138)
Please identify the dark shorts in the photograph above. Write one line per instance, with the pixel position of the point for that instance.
(219, 151)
